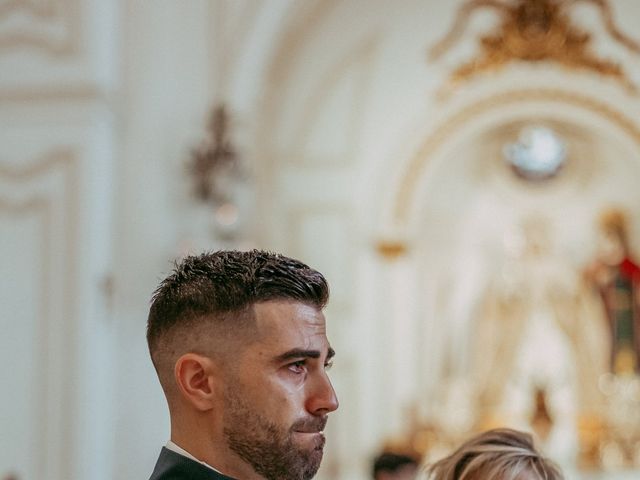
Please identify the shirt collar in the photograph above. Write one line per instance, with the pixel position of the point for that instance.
(181, 451)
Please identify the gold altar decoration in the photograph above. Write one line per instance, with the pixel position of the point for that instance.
(535, 31)
(614, 221)
(608, 440)
(391, 249)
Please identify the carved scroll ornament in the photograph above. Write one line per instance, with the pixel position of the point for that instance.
(535, 31)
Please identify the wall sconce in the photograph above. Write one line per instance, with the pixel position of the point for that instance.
(217, 175)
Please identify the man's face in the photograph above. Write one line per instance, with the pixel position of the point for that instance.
(278, 395)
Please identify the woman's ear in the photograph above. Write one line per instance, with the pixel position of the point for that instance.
(196, 379)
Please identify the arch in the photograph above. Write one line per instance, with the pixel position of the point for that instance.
(406, 190)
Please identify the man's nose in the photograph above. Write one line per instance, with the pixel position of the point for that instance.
(321, 397)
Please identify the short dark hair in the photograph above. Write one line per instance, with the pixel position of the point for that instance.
(216, 284)
(391, 462)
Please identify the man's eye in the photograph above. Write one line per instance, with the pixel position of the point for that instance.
(297, 367)
(328, 365)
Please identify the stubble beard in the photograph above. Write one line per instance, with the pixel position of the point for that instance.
(269, 449)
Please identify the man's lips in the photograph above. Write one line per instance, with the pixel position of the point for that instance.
(310, 426)
(314, 439)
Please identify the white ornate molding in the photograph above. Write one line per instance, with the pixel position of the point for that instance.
(50, 26)
(46, 192)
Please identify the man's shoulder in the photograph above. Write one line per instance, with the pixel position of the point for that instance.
(173, 466)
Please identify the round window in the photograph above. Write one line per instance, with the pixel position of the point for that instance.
(538, 154)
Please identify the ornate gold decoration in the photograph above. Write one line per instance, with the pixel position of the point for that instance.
(391, 249)
(615, 221)
(535, 31)
(53, 26)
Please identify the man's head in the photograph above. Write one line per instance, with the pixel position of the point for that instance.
(239, 343)
(394, 466)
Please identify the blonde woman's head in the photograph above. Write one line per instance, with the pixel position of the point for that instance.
(500, 454)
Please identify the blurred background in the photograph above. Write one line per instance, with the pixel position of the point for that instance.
(464, 172)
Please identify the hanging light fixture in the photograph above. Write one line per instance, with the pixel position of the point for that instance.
(538, 154)
(219, 179)
(217, 174)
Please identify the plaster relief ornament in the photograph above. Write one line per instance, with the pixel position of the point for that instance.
(535, 31)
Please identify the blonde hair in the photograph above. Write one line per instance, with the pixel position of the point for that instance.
(499, 454)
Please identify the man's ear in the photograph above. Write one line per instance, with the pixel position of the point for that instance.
(196, 378)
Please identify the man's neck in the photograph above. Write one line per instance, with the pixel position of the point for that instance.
(214, 455)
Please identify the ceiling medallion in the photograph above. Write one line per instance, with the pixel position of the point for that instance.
(535, 31)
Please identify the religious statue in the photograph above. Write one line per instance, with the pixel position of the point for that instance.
(616, 276)
(538, 346)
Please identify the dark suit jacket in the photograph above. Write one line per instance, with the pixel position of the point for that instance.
(173, 466)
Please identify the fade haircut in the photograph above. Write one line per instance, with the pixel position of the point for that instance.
(500, 454)
(219, 288)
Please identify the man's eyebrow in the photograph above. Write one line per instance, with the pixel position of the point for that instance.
(301, 353)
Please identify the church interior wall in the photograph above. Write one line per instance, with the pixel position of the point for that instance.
(364, 160)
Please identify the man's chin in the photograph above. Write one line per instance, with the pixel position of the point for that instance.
(314, 459)
(312, 443)
(310, 446)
